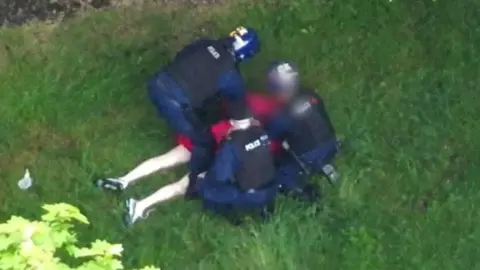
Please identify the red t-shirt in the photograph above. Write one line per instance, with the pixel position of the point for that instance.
(262, 107)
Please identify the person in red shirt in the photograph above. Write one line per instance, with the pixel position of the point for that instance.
(261, 106)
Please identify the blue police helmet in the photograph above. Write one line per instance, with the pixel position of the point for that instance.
(245, 43)
(282, 76)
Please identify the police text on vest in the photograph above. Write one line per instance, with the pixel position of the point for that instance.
(252, 145)
(213, 52)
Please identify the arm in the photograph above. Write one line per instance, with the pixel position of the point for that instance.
(231, 85)
(277, 126)
(225, 164)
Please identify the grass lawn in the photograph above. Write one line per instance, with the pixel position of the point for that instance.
(401, 81)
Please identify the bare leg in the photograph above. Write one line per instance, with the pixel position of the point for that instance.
(164, 194)
(136, 209)
(177, 156)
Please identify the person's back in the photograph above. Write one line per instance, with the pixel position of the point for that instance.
(181, 91)
(256, 165)
(243, 174)
(311, 126)
(199, 67)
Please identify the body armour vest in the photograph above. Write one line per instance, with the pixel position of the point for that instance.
(198, 67)
(311, 127)
(256, 169)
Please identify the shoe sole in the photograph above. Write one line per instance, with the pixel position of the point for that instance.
(103, 184)
(126, 217)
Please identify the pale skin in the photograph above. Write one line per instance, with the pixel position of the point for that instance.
(164, 194)
(175, 157)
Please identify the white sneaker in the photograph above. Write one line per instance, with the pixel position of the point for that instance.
(114, 184)
(133, 212)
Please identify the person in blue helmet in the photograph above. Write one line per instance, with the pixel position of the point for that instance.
(184, 91)
(302, 123)
(242, 178)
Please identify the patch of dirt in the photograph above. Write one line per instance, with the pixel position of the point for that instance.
(18, 12)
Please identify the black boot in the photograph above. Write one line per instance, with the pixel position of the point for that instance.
(309, 193)
(234, 218)
(267, 211)
(191, 193)
(228, 212)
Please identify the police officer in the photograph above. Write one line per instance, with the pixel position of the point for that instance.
(241, 179)
(303, 124)
(184, 90)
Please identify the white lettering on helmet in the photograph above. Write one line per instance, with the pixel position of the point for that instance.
(213, 52)
(239, 43)
(242, 30)
(239, 31)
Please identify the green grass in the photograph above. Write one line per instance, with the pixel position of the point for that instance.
(400, 78)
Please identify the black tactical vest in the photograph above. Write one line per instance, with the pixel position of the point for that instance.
(311, 127)
(198, 67)
(256, 168)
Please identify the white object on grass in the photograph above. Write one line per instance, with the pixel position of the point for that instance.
(26, 181)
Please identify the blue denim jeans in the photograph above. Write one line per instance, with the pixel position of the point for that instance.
(173, 105)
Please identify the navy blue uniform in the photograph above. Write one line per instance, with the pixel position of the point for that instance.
(199, 74)
(242, 176)
(305, 125)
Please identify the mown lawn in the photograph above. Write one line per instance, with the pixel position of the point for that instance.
(401, 81)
